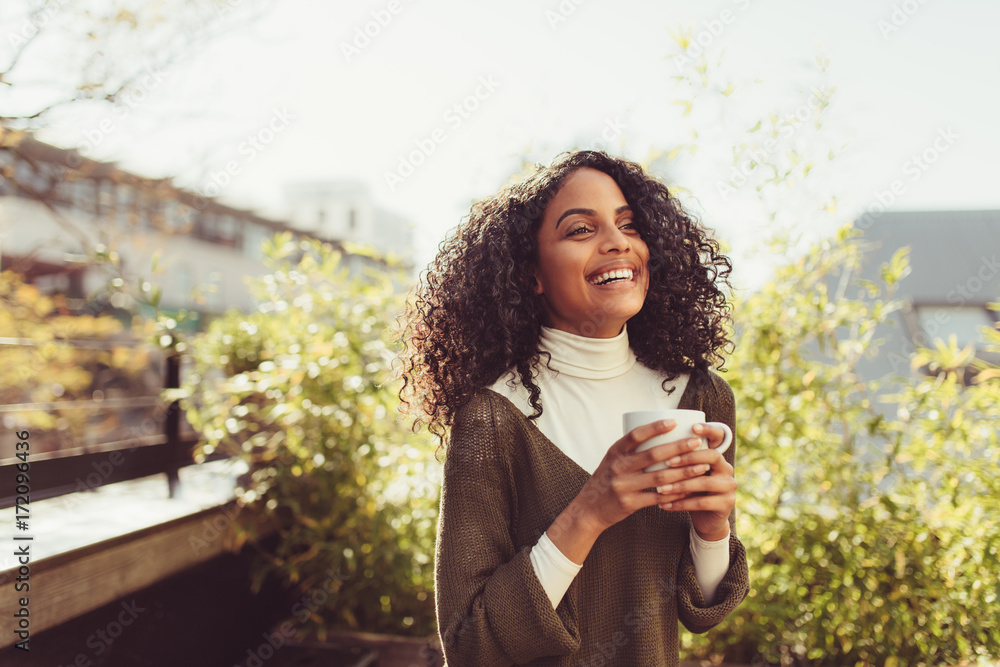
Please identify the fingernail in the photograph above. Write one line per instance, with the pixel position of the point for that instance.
(667, 422)
(701, 468)
(665, 488)
(674, 461)
(693, 442)
(667, 506)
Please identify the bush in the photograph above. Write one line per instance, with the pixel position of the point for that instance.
(867, 507)
(56, 356)
(298, 390)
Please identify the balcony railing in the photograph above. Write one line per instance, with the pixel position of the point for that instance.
(147, 436)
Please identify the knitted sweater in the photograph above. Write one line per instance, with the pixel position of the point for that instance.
(504, 485)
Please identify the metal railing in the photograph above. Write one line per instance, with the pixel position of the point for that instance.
(155, 444)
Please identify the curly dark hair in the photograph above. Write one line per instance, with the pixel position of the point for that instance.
(474, 314)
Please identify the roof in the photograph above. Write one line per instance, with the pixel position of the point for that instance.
(949, 251)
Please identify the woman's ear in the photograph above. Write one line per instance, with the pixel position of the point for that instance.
(538, 284)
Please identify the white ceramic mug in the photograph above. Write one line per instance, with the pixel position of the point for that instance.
(682, 431)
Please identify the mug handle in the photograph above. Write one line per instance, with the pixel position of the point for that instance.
(728, 440)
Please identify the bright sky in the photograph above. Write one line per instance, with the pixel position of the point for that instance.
(913, 78)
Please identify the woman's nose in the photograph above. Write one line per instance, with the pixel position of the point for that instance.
(615, 239)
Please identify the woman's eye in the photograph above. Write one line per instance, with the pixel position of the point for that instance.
(578, 230)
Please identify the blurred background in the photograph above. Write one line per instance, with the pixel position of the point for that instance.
(211, 214)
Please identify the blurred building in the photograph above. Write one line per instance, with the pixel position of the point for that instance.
(57, 206)
(954, 275)
(344, 210)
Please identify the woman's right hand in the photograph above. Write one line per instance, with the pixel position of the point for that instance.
(618, 488)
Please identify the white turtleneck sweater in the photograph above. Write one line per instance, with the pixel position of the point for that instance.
(595, 381)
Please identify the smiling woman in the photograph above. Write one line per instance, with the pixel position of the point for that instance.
(555, 546)
(591, 259)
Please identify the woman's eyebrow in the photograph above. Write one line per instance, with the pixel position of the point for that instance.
(589, 211)
(571, 211)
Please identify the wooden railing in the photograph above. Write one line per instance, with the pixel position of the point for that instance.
(164, 448)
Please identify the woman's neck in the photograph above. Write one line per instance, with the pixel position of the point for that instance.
(585, 357)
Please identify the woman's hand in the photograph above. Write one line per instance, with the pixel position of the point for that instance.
(709, 498)
(619, 487)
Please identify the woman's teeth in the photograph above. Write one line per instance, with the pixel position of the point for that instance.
(608, 276)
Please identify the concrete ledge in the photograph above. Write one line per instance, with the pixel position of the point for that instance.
(67, 585)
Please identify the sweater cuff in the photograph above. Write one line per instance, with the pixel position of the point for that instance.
(734, 587)
(513, 591)
(711, 562)
(554, 570)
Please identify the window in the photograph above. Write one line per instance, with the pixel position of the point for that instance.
(253, 237)
(226, 229)
(126, 202)
(106, 198)
(148, 208)
(963, 322)
(27, 177)
(84, 194)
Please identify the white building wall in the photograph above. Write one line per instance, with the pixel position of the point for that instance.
(28, 228)
(328, 208)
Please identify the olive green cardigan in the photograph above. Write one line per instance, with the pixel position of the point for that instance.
(504, 485)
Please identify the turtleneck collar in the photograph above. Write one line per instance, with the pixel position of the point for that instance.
(583, 357)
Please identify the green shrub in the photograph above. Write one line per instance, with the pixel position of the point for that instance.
(868, 508)
(54, 356)
(298, 390)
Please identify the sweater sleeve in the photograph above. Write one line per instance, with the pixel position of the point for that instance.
(491, 607)
(554, 570)
(711, 562)
(719, 405)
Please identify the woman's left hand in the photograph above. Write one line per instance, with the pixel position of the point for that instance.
(710, 498)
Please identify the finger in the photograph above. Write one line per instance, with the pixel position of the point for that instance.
(668, 498)
(699, 456)
(667, 451)
(641, 434)
(711, 485)
(639, 480)
(709, 503)
(665, 480)
(715, 434)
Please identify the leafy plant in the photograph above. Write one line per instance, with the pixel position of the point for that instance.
(52, 355)
(863, 503)
(298, 389)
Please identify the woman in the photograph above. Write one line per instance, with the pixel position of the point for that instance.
(554, 546)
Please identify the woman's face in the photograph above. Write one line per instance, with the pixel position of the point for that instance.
(591, 271)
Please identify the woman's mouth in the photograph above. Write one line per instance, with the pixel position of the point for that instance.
(609, 277)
